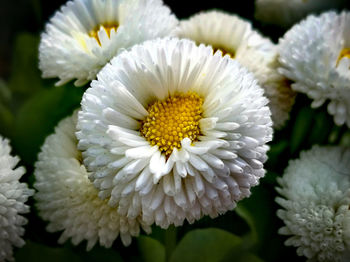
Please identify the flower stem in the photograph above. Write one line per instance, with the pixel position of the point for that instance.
(170, 241)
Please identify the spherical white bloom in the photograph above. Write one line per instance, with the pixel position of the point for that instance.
(69, 201)
(316, 200)
(85, 34)
(174, 132)
(316, 55)
(13, 195)
(234, 36)
(286, 13)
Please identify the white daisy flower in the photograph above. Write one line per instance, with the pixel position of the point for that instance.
(13, 195)
(286, 13)
(316, 200)
(68, 200)
(316, 55)
(235, 37)
(174, 132)
(85, 34)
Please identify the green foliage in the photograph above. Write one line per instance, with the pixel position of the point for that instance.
(207, 245)
(151, 250)
(31, 107)
(41, 253)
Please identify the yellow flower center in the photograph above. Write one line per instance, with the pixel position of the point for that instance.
(171, 120)
(345, 52)
(108, 27)
(224, 51)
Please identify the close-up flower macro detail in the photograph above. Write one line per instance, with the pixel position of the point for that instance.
(315, 192)
(202, 166)
(85, 34)
(175, 131)
(321, 73)
(13, 195)
(68, 200)
(235, 37)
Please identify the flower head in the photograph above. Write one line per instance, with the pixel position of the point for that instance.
(315, 192)
(174, 132)
(235, 37)
(69, 201)
(286, 13)
(322, 72)
(85, 34)
(13, 195)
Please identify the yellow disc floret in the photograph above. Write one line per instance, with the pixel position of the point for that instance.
(108, 27)
(171, 120)
(224, 51)
(343, 53)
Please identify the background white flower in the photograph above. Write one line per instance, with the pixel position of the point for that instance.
(85, 34)
(174, 132)
(316, 55)
(286, 13)
(69, 201)
(235, 36)
(316, 200)
(13, 195)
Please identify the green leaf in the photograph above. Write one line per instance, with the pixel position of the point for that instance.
(321, 128)
(301, 128)
(241, 256)
(39, 253)
(26, 77)
(151, 250)
(39, 115)
(259, 210)
(6, 120)
(205, 245)
(99, 253)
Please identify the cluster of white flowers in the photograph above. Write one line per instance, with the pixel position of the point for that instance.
(316, 200)
(175, 124)
(69, 201)
(235, 37)
(13, 196)
(85, 34)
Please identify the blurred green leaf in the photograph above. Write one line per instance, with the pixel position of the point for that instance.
(260, 213)
(151, 250)
(40, 253)
(6, 120)
(275, 152)
(241, 256)
(203, 245)
(26, 77)
(39, 115)
(321, 128)
(301, 128)
(99, 253)
(345, 139)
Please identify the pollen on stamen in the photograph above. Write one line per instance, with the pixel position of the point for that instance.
(171, 120)
(108, 27)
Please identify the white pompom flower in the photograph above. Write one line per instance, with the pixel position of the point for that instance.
(68, 200)
(316, 55)
(285, 13)
(13, 196)
(85, 34)
(235, 37)
(174, 132)
(315, 192)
